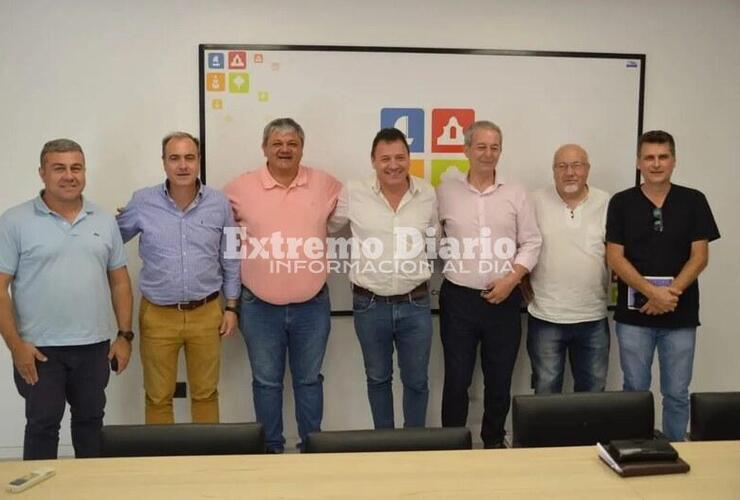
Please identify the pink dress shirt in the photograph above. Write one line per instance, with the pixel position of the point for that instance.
(268, 210)
(502, 218)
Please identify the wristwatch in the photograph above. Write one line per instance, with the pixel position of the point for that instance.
(129, 335)
(233, 309)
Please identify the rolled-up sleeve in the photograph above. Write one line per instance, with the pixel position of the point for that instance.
(231, 267)
(528, 237)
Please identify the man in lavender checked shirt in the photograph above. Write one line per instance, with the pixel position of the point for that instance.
(181, 226)
(492, 241)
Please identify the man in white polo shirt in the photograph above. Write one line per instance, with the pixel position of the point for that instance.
(568, 311)
(390, 293)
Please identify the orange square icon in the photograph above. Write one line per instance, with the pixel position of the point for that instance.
(216, 82)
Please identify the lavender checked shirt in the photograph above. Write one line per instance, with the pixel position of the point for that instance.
(182, 251)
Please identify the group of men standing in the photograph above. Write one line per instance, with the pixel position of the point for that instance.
(63, 259)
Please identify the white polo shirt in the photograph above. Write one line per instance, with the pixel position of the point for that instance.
(571, 279)
(401, 264)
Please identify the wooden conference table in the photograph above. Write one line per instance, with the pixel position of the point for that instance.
(541, 473)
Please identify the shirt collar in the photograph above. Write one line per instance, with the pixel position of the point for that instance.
(41, 206)
(164, 189)
(413, 186)
(269, 182)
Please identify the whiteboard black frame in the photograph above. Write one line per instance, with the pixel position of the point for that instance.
(202, 48)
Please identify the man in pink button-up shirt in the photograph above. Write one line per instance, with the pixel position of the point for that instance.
(283, 210)
(492, 242)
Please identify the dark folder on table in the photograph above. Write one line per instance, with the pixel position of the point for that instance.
(642, 457)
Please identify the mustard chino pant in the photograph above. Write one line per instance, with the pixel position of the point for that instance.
(163, 331)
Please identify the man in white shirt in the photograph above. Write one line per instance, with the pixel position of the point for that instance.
(567, 313)
(390, 293)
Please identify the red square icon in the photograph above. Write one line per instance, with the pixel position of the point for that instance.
(448, 125)
(237, 59)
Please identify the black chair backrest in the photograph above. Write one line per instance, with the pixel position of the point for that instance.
(582, 418)
(715, 416)
(410, 439)
(182, 439)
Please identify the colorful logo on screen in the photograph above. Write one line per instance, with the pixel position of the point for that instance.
(445, 136)
(227, 72)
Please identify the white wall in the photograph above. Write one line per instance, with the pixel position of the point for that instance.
(117, 76)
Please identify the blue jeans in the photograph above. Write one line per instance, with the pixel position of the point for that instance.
(76, 375)
(300, 330)
(587, 344)
(380, 324)
(676, 356)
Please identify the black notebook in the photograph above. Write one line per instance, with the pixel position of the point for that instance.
(642, 457)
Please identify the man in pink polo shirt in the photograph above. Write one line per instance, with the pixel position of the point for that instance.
(498, 242)
(283, 210)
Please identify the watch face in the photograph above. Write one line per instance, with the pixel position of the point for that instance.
(127, 335)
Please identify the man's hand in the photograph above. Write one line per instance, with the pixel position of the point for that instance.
(500, 289)
(228, 324)
(661, 300)
(121, 350)
(25, 355)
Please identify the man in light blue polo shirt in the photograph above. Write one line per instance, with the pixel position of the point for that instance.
(63, 259)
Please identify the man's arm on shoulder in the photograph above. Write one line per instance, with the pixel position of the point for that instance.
(340, 215)
(123, 301)
(128, 220)
(24, 353)
(660, 299)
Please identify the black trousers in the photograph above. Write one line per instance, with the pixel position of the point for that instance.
(466, 320)
(74, 374)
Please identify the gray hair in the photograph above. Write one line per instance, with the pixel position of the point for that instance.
(285, 124)
(179, 135)
(481, 124)
(59, 146)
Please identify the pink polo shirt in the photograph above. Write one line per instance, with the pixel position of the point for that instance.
(499, 225)
(281, 267)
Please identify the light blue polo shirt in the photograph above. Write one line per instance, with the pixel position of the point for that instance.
(60, 288)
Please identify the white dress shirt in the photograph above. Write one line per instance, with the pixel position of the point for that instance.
(394, 258)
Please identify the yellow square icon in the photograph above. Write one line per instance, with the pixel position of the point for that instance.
(263, 96)
(216, 82)
(217, 104)
(416, 168)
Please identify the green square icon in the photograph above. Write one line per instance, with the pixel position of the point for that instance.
(440, 166)
(239, 83)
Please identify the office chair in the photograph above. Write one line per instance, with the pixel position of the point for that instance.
(409, 439)
(581, 418)
(182, 439)
(715, 416)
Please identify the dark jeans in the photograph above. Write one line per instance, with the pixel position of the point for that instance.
(408, 325)
(585, 343)
(466, 320)
(74, 374)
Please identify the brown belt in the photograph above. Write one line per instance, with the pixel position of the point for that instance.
(417, 293)
(193, 304)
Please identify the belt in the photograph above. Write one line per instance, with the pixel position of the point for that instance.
(193, 304)
(419, 292)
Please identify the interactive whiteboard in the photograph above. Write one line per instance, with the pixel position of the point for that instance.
(343, 95)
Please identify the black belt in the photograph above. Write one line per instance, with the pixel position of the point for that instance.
(193, 304)
(417, 293)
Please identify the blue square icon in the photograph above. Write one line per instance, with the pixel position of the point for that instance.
(216, 60)
(410, 121)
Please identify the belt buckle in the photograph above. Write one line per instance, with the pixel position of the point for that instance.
(179, 306)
